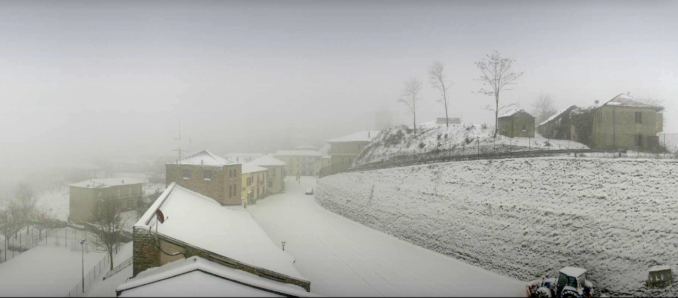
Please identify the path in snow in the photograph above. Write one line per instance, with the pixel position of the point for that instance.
(345, 258)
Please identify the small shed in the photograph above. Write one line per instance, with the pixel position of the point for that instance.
(516, 124)
(659, 277)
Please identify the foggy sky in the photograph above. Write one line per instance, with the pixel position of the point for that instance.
(83, 78)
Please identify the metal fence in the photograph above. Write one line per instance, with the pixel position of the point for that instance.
(460, 153)
(99, 269)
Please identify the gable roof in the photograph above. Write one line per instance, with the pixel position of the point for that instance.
(558, 114)
(297, 152)
(205, 158)
(198, 277)
(267, 160)
(628, 100)
(363, 136)
(227, 231)
(573, 271)
(512, 112)
(107, 182)
(250, 168)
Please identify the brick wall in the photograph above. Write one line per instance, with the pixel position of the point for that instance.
(222, 187)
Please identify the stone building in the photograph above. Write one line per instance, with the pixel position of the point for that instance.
(344, 150)
(126, 192)
(195, 225)
(299, 161)
(516, 124)
(210, 175)
(626, 122)
(275, 177)
(559, 126)
(253, 183)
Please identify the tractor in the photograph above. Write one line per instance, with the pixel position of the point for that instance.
(571, 283)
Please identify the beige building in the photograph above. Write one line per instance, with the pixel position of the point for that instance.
(210, 175)
(344, 150)
(516, 124)
(126, 192)
(626, 122)
(197, 226)
(299, 161)
(324, 162)
(275, 176)
(253, 183)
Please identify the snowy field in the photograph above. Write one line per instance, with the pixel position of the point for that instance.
(526, 217)
(46, 271)
(106, 288)
(345, 258)
(457, 139)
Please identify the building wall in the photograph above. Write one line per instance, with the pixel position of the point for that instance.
(304, 165)
(321, 163)
(275, 179)
(256, 189)
(222, 187)
(513, 126)
(83, 199)
(616, 127)
(559, 128)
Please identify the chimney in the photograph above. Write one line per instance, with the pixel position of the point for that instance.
(596, 101)
(123, 181)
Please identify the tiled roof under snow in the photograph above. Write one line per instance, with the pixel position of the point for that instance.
(363, 136)
(250, 168)
(198, 277)
(205, 158)
(230, 232)
(557, 114)
(627, 100)
(510, 113)
(267, 160)
(107, 182)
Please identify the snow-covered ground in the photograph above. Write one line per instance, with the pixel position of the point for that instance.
(457, 139)
(526, 217)
(56, 202)
(345, 258)
(106, 288)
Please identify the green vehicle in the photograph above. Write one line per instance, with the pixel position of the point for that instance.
(571, 283)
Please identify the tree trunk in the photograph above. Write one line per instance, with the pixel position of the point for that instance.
(110, 254)
(414, 116)
(447, 118)
(496, 114)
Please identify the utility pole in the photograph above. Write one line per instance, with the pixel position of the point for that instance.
(82, 243)
(178, 150)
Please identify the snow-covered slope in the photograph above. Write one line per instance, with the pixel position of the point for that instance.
(526, 217)
(455, 139)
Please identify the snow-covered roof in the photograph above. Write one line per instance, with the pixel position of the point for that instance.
(363, 136)
(297, 153)
(250, 168)
(202, 222)
(573, 271)
(267, 160)
(243, 154)
(198, 277)
(307, 147)
(205, 158)
(659, 268)
(628, 100)
(107, 182)
(512, 112)
(557, 114)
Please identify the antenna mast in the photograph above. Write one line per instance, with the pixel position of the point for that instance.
(178, 150)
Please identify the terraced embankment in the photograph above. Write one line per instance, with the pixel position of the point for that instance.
(526, 217)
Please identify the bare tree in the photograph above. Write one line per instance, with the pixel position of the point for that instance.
(106, 224)
(26, 201)
(439, 81)
(497, 74)
(43, 219)
(543, 108)
(410, 96)
(10, 222)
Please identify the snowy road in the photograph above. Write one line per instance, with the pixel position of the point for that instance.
(344, 258)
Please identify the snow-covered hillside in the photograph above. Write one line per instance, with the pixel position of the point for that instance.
(526, 217)
(455, 139)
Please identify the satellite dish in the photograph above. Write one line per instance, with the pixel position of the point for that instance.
(160, 216)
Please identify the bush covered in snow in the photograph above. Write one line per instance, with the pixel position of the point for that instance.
(456, 139)
(526, 217)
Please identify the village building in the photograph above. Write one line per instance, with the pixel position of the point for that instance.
(84, 195)
(306, 147)
(253, 183)
(182, 224)
(626, 122)
(344, 150)
(275, 177)
(325, 161)
(208, 174)
(559, 126)
(516, 123)
(299, 162)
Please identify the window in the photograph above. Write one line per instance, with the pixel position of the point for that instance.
(639, 117)
(639, 140)
(230, 190)
(207, 175)
(187, 174)
(270, 183)
(524, 128)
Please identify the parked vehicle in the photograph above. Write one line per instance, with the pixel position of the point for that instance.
(309, 191)
(571, 283)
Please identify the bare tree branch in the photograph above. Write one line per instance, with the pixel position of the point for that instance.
(410, 96)
(106, 224)
(439, 81)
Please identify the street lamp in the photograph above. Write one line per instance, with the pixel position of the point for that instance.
(82, 243)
